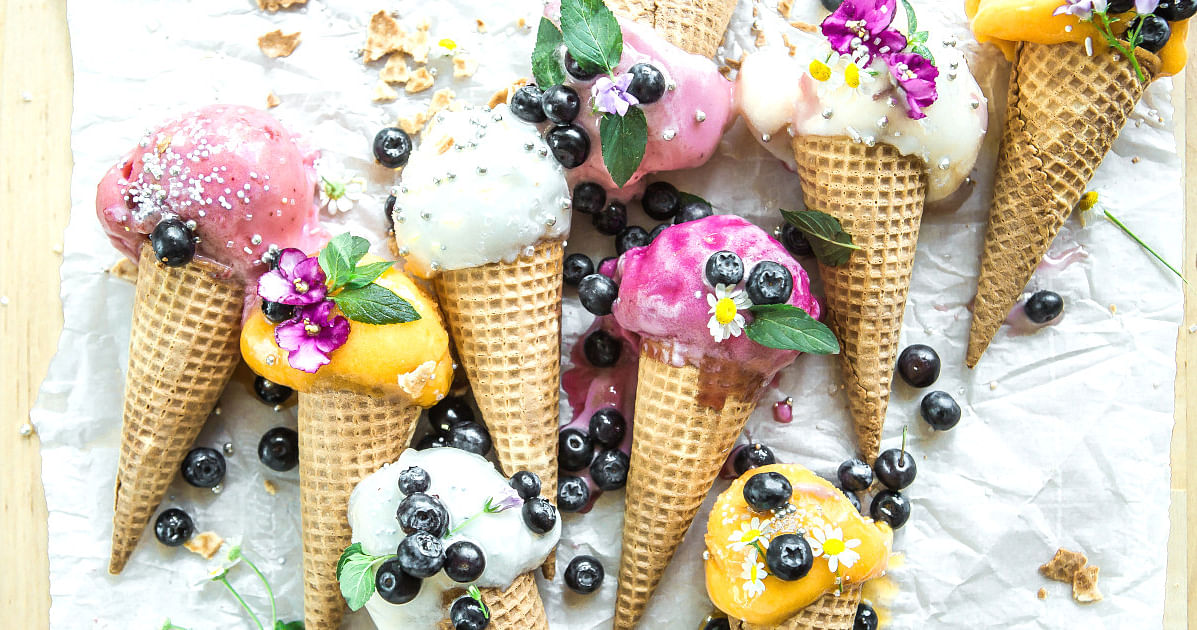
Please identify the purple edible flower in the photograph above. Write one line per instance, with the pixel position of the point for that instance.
(916, 75)
(612, 97)
(862, 26)
(1146, 7)
(312, 336)
(298, 280)
(509, 499)
(1082, 9)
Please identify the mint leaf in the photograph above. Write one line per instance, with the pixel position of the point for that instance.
(912, 22)
(373, 304)
(546, 65)
(923, 52)
(340, 256)
(365, 274)
(831, 244)
(786, 327)
(623, 139)
(294, 625)
(352, 550)
(591, 33)
(357, 580)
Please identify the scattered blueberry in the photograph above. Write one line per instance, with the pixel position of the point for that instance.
(392, 147)
(584, 574)
(432, 440)
(1044, 306)
(608, 427)
(468, 613)
(716, 623)
(767, 491)
(895, 468)
(270, 392)
(693, 210)
(577, 70)
(648, 84)
(610, 469)
(661, 201)
(855, 475)
(279, 449)
(448, 412)
(561, 104)
(419, 512)
(388, 211)
(832, 5)
(569, 144)
(589, 198)
(470, 436)
(173, 527)
(891, 508)
(652, 236)
(421, 554)
(414, 479)
(393, 585)
(270, 258)
(631, 237)
(576, 267)
(752, 456)
(795, 241)
(203, 467)
(276, 312)
(597, 292)
(464, 561)
(789, 557)
(525, 104)
(611, 220)
(1176, 10)
(769, 283)
(539, 515)
(173, 243)
(574, 449)
(1154, 32)
(602, 349)
(940, 410)
(918, 365)
(724, 267)
(866, 617)
(572, 493)
(526, 484)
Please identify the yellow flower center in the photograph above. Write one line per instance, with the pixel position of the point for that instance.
(852, 76)
(819, 70)
(447, 44)
(833, 547)
(752, 536)
(725, 312)
(300, 285)
(310, 328)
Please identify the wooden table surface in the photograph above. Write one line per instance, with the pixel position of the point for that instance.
(35, 165)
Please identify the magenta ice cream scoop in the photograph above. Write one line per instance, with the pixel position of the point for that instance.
(234, 174)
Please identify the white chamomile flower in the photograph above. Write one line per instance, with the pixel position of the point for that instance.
(339, 193)
(726, 303)
(753, 573)
(829, 542)
(750, 532)
(834, 72)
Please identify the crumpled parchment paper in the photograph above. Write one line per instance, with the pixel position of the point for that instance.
(1065, 435)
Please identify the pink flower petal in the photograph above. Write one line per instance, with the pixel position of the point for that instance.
(273, 286)
(307, 358)
(289, 258)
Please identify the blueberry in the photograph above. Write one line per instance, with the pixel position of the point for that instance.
(576, 267)
(448, 412)
(610, 469)
(173, 243)
(276, 312)
(203, 467)
(1044, 306)
(421, 554)
(795, 241)
(852, 498)
(584, 574)
(918, 365)
(468, 613)
(652, 236)
(940, 410)
(572, 493)
(279, 449)
(569, 143)
(891, 508)
(432, 440)
(631, 237)
(526, 484)
(574, 449)
(388, 211)
(693, 210)
(716, 623)
(419, 512)
(1153, 33)
(724, 267)
(769, 283)
(470, 436)
(866, 617)
(561, 104)
(392, 147)
(597, 293)
(589, 198)
(1119, 6)
(789, 557)
(767, 491)
(414, 479)
(539, 515)
(577, 70)
(611, 220)
(602, 349)
(648, 84)
(608, 427)
(1176, 10)
(464, 561)
(173, 527)
(525, 104)
(394, 585)
(855, 475)
(752, 456)
(895, 468)
(832, 5)
(270, 392)
(661, 201)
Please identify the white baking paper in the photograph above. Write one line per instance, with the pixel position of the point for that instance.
(1065, 435)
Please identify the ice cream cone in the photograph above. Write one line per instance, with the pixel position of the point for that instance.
(687, 420)
(1065, 109)
(830, 612)
(519, 607)
(182, 351)
(343, 437)
(877, 194)
(696, 26)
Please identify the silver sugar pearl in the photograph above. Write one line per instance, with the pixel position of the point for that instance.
(883, 122)
(256, 240)
(227, 448)
(528, 146)
(497, 117)
(450, 176)
(425, 215)
(944, 164)
(700, 115)
(828, 113)
(975, 104)
(270, 360)
(482, 170)
(399, 218)
(434, 265)
(551, 221)
(191, 224)
(403, 251)
(766, 137)
(669, 134)
(218, 488)
(25, 429)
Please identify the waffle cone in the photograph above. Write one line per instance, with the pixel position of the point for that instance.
(687, 420)
(877, 194)
(695, 26)
(182, 351)
(830, 612)
(344, 436)
(519, 607)
(1065, 109)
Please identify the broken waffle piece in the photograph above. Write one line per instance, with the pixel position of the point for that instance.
(396, 70)
(384, 93)
(383, 36)
(205, 544)
(1084, 585)
(276, 44)
(1064, 565)
(275, 5)
(464, 67)
(272, 100)
(420, 80)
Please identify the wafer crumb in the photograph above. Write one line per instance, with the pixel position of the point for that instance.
(504, 95)
(384, 93)
(124, 269)
(396, 70)
(412, 125)
(1084, 585)
(271, 489)
(275, 5)
(276, 44)
(272, 100)
(205, 544)
(420, 80)
(464, 67)
(383, 36)
(1064, 565)
(481, 26)
(784, 6)
(1113, 309)
(521, 23)
(1042, 594)
(441, 99)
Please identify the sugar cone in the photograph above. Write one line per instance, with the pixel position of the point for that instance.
(687, 420)
(344, 436)
(829, 612)
(695, 26)
(519, 607)
(182, 351)
(877, 194)
(1065, 109)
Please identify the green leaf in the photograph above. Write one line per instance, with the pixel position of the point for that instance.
(357, 580)
(546, 64)
(831, 244)
(365, 274)
(919, 37)
(352, 550)
(294, 625)
(373, 304)
(912, 22)
(476, 595)
(1122, 226)
(591, 33)
(923, 52)
(786, 327)
(340, 256)
(623, 139)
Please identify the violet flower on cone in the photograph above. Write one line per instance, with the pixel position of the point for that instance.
(312, 335)
(1082, 9)
(612, 97)
(916, 76)
(862, 26)
(298, 280)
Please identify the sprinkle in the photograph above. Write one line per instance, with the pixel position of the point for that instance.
(1089, 46)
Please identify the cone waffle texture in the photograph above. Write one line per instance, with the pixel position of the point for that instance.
(517, 608)
(182, 351)
(1064, 111)
(877, 194)
(695, 26)
(344, 436)
(830, 612)
(678, 446)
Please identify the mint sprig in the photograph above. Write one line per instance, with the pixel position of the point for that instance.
(355, 573)
(917, 40)
(828, 240)
(546, 56)
(786, 327)
(624, 139)
(591, 34)
(340, 256)
(373, 304)
(352, 285)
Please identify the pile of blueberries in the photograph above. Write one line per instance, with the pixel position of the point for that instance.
(1154, 29)
(454, 424)
(577, 451)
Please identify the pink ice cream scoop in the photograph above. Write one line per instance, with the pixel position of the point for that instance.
(234, 174)
(664, 293)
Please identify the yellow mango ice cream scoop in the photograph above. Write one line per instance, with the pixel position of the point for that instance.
(367, 350)
(786, 549)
